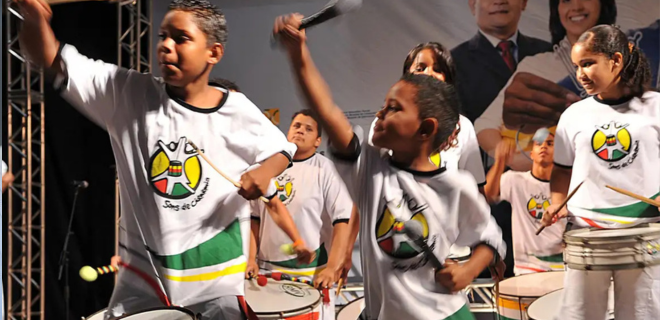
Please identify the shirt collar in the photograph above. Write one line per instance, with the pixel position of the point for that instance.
(495, 41)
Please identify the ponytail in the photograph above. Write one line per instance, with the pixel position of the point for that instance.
(636, 73)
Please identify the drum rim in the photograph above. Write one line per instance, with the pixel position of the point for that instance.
(523, 275)
(96, 313)
(184, 310)
(568, 235)
(348, 304)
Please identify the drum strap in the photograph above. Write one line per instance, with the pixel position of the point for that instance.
(249, 313)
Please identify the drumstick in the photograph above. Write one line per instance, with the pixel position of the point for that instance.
(236, 184)
(341, 283)
(562, 204)
(636, 196)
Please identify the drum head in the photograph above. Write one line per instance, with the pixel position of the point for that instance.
(100, 315)
(459, 253)
(278, 297)
(165, 313)
(547, 306)
(532, 285)
(352, 310)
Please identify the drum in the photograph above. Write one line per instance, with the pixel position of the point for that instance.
(546, 307)
(459, 254)
(517, 293)
(97, 316)
(352, 310)
(163, 313)
(283, 299)
(613, 249)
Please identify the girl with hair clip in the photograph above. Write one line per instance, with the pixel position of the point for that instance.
(568, 20)
(611, 138)
(433, 59)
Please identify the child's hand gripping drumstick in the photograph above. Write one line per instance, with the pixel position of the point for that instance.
(636, 196)
(236, 184)
(563, 204)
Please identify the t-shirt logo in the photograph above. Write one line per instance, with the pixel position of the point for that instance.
(284, 185)
(175, 170)
(436, 159)
(536, 206)
(611, 142)
(390, 235)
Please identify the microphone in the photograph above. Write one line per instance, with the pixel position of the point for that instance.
(414, 231)
(333, 9)
(82, 184)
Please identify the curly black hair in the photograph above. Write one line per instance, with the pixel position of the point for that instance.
(208, 17)
(439, 100)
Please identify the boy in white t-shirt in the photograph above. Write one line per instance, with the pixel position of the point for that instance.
(403, 192)
(320, 205)
(529, 195)
(194, 222)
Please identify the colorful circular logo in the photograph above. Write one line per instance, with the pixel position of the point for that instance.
(537, 208)
(611, 142)
(175, 171)
(393, 240)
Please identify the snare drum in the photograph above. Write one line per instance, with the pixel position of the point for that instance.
(164, 313)
(97, 316)
(352, 310)
(283, 299)
(613, 249)
(517, 293)
(459, 254)
(547, 307)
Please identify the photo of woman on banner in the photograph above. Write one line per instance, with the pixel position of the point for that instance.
(544, 85)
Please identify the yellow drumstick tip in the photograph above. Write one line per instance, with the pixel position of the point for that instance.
(287, 249)
(88, 273)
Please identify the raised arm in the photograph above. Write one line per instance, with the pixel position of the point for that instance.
(36, 37)
(315, 89)
(492, 188)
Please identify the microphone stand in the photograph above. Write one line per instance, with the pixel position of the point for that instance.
(64, 256)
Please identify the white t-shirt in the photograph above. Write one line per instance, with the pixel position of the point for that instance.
(465, 155)
(399, 281)
(529, 197)
(4, 168)
(194, 221)
(317, 198)
(611, 143)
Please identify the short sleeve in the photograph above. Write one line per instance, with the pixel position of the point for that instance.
(4, 168)
(506, 184)
(337, 201)
(475, 223)
(470, 158)
(258, 138)
(564, 142)
(92, 86)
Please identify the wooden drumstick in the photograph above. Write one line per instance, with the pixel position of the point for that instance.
(636, 196)
(562, 204)
(236, 184)
(339, 285)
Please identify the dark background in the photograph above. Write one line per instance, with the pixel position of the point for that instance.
(77, 149)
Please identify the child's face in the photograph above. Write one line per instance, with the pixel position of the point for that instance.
(398, 122)
(183, 51)
(596, 72)
(423, 64)
(543, 153)
(304, 133)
